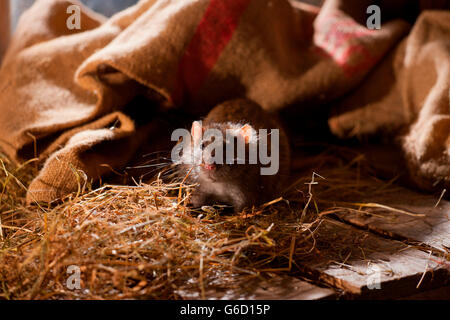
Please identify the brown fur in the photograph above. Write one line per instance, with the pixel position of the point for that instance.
(240, 185)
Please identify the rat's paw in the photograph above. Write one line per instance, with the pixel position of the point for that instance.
(240, 203)
(198, 199)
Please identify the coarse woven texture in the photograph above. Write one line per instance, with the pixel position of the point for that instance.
(409, 91)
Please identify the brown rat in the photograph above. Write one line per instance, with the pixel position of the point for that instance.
(241, 185)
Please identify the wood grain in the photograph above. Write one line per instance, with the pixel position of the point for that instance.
(432, 230)
(356, 260)
(273, 287)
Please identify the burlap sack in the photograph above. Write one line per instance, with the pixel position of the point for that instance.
(61, 90)
(4, 26)
(409, 93)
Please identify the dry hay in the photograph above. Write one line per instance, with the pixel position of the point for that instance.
(135, 242)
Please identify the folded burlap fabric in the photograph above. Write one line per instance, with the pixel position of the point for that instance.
(408, 94)
(64, 93)
(4, 26)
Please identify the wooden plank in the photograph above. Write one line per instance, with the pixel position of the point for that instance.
(289, 288)
(433, 229)
(259, 288)
(364, 264)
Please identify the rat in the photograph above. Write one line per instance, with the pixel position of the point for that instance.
(235, 181)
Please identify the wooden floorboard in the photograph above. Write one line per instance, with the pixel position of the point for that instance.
(285, 288)
(368, 266)
(272, 287)
(432, 229)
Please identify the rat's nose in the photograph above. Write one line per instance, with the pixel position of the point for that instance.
(209, 166)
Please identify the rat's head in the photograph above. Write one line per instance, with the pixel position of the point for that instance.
(224, 148)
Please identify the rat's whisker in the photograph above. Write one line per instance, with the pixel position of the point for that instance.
(148, 166)
(169, 169)
(155, 152)
(158, 159)
(164, 158)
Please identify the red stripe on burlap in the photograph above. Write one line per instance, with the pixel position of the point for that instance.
(213, 33)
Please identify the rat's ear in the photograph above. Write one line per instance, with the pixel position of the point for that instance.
(196, 131)
(247, 132)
